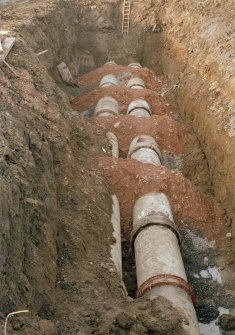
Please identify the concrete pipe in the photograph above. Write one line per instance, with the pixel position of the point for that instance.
(106, 106)
(116, 247)
(114, 142)
(139, 108)
(111, 62)
(108, 80)
(159, 265)
(135, 65)
(144, 148)
(136, 83)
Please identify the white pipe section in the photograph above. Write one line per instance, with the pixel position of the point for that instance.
(135, 65)
(159, 265)
(139, 108)
(111, 62)
(144, 148)
(108, 80)
(116, 247)
(114, 142)
(136, 83)
(146, 156)
(65, 73)
(106, 106)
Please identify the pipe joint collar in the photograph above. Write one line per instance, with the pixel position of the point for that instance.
(165, 279)
(136, 82)
(144, 141)
(138, 107)
(135, 65)
(154, 219)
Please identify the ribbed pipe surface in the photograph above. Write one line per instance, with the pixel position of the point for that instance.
(145, 149)
(135, 65)
(139, 108)
(106, 106)
(109, 80)
(136, 83)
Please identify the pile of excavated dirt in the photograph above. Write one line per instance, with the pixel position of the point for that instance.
(124, 96)
(170, 135)
(190, 206)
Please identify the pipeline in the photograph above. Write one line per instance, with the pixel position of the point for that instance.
(139, 108)
(114, 143)
(155, 238)
(135, 65)
(159, 265)
(144, 148)
(116, 247)
(111, 62)
(136, 83)
(106, 106)
(109, 80)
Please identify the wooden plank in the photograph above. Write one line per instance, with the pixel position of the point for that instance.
(7, 44)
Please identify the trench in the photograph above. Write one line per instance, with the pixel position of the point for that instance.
(84, 42)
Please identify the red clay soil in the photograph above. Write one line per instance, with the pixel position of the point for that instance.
(152, 81)
(130, 180)
(124, 96)
(170, 135)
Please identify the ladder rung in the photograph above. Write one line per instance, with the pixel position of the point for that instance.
(126, 16)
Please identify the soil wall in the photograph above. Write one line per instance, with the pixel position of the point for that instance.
(197, 51)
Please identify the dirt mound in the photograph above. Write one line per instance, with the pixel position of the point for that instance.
(131, 179)
(152, 81)
(124, 96)
(170, 135)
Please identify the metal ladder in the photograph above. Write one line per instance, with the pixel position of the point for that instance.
(126, 16)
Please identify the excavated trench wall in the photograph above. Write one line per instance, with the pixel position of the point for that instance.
(196, 52)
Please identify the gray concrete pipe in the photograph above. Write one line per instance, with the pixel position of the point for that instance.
(139, 108)
(144, 148)
(135, 65)
(116, 247)
(111, 62)
(114, 142)
(107, 106)
(159, 266)
(109, 80)
(136, 83)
